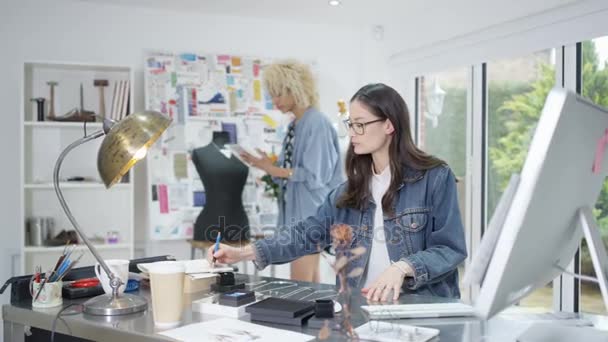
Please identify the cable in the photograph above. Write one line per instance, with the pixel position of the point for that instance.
(58, 317)
(579, 276)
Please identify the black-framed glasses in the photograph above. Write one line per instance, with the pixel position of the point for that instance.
(359, 127)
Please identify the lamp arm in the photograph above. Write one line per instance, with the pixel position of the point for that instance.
(113, 279)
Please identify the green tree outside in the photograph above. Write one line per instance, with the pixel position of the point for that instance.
(514, 109)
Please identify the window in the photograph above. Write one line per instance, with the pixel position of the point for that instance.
(594, 75)
(517, 89)
(442, 128)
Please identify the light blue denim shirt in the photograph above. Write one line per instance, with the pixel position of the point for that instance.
(317, 168)
(425, 230)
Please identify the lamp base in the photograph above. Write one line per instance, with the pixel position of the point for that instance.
(108, 305)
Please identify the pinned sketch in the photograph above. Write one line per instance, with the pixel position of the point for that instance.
(257, 90)
(163, 199)
(180, 165)
(179, 196)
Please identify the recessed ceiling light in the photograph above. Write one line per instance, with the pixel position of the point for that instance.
(334, 2)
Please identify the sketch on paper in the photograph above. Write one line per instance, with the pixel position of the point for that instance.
(232, 330)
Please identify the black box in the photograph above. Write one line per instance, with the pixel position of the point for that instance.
(300, 320)
(225, 278)
(324, 308)
(81, 292)
(280, 307)
(237, 298)
(226, 288)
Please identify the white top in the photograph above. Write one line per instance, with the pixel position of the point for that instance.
(378, 258)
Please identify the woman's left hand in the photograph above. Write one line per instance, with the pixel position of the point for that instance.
(263, 163)
(391, 279)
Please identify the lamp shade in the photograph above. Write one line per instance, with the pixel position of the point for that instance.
(126, 142)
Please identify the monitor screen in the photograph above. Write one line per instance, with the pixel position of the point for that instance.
(535, 231)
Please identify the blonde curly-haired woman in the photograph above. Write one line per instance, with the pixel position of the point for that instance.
(309, 165)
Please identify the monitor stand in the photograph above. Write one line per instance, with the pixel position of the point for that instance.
(597, 250)
(556, 331)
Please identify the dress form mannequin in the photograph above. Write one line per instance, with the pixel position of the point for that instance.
(224, 179)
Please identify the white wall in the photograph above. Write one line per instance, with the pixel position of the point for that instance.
(566, 24)
(74, 31)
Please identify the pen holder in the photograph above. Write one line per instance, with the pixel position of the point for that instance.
(49, 296)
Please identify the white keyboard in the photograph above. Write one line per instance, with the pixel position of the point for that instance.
(395, 311)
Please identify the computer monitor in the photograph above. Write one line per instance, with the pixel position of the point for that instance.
(536, 230)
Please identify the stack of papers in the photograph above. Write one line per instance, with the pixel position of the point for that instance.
(194, 267)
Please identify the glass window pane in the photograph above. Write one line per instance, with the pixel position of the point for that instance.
(595, 87)
(517, 89)
(442, 128)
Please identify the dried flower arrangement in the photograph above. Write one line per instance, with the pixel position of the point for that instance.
(342, 237)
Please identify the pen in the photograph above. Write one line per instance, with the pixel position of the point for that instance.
(217, 244)
(46, 278)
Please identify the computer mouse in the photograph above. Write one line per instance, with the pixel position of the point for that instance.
(337, 307)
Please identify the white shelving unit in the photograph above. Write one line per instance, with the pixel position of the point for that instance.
(97, 209)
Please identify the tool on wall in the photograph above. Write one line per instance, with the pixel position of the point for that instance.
(78, 114)
(52, 85)
(101, 84)
(40, 107)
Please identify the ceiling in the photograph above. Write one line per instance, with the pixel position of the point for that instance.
(412, 18)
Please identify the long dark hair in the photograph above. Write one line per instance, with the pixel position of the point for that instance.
(385, 103)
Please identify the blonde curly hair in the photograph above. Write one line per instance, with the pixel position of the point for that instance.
(294, 78)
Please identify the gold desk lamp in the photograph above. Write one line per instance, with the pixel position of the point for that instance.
(125, 143)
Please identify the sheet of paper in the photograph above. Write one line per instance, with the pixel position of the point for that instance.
(163, 199)
(394, 332)
(179, 196)
(180, 165)
(197, 266)
(229, 329)
(257, 90)
(202, 275)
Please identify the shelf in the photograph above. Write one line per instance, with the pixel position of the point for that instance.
(76, 185)
(43, 141)
(83, 67)
(208, 118)
(58, 124)
(37, 249)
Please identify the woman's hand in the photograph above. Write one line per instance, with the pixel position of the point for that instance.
(230, 255)
(391, 279)
(263, 163)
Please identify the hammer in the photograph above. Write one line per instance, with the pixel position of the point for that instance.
(102, 103)
(51, 114)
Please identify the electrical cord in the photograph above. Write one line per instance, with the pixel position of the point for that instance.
(58, 317)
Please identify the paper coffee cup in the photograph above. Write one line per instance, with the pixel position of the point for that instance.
(167, 286)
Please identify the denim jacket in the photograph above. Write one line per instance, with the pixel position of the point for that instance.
(425, 230)
(316, 168)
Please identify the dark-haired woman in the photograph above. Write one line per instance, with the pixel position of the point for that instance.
(400, 202)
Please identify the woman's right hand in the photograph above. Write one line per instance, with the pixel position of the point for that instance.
(229, 255)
